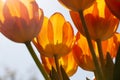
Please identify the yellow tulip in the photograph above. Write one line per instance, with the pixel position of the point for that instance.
(55, 37)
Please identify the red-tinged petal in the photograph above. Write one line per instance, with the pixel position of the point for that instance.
(114, 6)
(83, 60)
(68, 34)
(100, 22)
(77, 5)
(76, 19)
(17, 24)
(82, 53)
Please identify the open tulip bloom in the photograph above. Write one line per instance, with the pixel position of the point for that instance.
(93, 48)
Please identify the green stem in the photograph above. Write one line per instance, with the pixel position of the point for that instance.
(96, 75)
(58, 67)
(37, 61)
(100, 53)
(96, 63)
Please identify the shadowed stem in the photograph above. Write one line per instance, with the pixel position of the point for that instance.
(96, 75)
(38, 63)
(96, 63)
(100, 53)
(58, 67)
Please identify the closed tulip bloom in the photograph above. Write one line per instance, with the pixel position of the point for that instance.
(82, 53)
(114, 6)
(20, 20)
(77, 5)
(100, 22)
(67, 62)
(55, 37)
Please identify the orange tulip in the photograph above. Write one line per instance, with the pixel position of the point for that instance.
(55, 37)
(68, 63)
(100, 22)
(82, 53)
(20, 20)
(114, 6)
(77, 5)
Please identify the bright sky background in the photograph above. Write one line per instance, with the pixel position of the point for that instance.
(15, 56)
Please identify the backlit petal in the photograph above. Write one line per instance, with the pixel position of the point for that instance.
(82, 53)
(17, 25)
(100, 22)
(56, 36)
(67, 62)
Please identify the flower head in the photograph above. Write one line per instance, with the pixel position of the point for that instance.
(83, 55)
(77, 5)
(55, 37)
(114, 6)
(20, 20)
(67, 62)
(100, 22)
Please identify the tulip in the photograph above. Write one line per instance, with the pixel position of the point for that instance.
(77, 5)
(101, 24)
(83, 55)
(114, 6)
(55, 37)
(20, 20)
(67, 62)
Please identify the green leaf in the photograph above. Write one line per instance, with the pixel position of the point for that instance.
(54, 74)
(109, 66)
(116, 75)
(65, 76)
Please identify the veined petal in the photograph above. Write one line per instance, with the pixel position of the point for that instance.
(68, 34)
(45, 36)
(17, 25)
(82, 53)
(100, 22)
(83, 60)
(32, 8)
(57, 21)
(69, 64)
(56, 36)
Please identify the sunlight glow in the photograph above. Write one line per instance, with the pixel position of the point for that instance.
(4, 0)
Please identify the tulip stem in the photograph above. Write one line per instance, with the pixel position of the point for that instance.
(37, 61)
(58, 67)
(96, 75)
(100, 53)
(96, 63)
